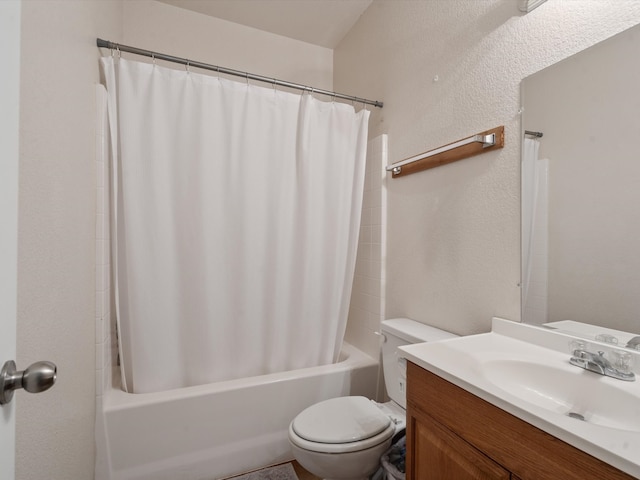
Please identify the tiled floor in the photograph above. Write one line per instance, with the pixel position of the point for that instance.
(300, 472)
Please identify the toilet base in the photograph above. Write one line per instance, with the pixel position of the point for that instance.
(341, 466)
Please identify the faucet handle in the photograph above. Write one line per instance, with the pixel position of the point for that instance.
(577, 346)
(606, 338)
(634, 343)
(621, 361)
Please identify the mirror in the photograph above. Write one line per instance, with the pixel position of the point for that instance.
(581, 191)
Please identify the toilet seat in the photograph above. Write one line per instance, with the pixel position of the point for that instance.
(341, 425)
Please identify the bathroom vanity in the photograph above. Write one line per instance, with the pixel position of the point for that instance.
(492, 406)
(451, 433)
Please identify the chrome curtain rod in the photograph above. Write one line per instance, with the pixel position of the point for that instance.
(228, 71)
(533, 134)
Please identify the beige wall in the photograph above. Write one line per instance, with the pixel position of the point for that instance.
(168, 29)
(56, 301)
(57, 228)
(453, 240)
(446, 70)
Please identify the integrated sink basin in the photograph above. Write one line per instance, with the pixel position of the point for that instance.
(525, 371)
(566, 390)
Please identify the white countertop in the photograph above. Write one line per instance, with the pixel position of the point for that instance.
(469, 362)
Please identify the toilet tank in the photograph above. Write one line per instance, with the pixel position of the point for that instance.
(397, 332)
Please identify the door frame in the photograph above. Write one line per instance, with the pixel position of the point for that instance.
(10, 16)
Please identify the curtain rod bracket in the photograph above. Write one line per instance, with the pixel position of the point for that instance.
(533, 134)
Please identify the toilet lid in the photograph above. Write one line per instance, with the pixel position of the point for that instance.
(340, 420)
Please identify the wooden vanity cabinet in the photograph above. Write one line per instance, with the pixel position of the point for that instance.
(452, 434)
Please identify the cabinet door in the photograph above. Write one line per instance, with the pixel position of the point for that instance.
(440, 454)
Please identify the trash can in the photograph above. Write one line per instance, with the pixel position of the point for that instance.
(392, 462)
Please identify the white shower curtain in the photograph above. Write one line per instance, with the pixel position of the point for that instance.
(534, 173)
(238, 211)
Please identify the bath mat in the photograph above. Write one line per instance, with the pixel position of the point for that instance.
(279, 472)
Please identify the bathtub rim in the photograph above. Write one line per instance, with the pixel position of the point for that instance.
(115, 398)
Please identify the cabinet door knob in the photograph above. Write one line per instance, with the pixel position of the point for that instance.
(37, 378)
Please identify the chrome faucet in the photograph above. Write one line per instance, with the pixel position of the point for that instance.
(634, 343)
(597, 363)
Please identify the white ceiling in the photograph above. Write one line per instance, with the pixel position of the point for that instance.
(320, 22)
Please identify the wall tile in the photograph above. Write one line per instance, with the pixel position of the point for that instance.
(367, 298)
(104, 350)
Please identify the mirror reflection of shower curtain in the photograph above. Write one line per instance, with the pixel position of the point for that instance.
(535, 204)
(238, 212)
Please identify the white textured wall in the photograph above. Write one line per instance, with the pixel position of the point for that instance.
(453, 254)
(56, 216)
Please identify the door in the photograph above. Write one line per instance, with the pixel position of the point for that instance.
(9, 108)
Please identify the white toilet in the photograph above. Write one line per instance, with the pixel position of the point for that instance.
(343, 438)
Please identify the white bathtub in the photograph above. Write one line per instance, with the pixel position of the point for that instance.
(213, 431)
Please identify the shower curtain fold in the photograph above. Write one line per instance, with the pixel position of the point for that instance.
(534, 172)
(238, 212)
